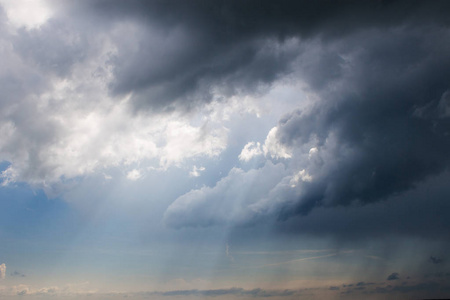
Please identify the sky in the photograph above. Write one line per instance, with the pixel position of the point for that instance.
(224, 149)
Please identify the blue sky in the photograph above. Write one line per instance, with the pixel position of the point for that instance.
(226, 150)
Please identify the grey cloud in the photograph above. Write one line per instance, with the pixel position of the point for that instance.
(54, 47)
(377, 128)
(393, 276)
(188, 79)
(426, 217)
(421, 289)
(429, 288)
(181, 54)
(371, 143)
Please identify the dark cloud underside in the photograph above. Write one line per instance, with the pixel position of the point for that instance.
(381, 122)
(187, 51)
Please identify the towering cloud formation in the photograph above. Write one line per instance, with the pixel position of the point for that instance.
(380, 122)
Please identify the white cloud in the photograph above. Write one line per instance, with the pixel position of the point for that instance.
(28, 13)
(134, 174)
(250, 150)
(302, 175)
(313, 151)
(273, 147)
(196, 171)
(70, 126)
(184, 140)
(230, 200)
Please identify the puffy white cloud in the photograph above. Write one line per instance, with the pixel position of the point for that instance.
(230, 200)
(65, 123)
(250, 150)
(274, 148)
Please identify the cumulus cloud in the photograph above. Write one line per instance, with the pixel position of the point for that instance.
(230, 200)
(274, 148)
(60, 122)
(378, 127)
(250, 151)
(369, 142)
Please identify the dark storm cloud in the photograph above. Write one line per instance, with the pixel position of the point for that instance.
(421, 212)
(184, 52)
(380, 127)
